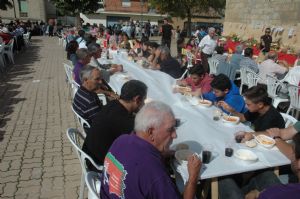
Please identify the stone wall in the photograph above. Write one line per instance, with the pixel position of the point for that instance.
(249, 18)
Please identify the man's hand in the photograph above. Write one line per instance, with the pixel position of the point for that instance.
(194, 166)
(225, 106)
(273, 132)
(252, 194)
(243, 136)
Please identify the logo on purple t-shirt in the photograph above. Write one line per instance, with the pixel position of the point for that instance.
(114, 175)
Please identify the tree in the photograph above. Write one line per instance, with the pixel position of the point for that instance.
(4, 4)
(75, 7)
(188, 8)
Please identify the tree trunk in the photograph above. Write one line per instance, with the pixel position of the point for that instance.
(189, 23)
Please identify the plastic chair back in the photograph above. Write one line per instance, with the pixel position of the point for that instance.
(289, 120)
(213, 65)
(294, 98)
(93, 183)
(83, 123)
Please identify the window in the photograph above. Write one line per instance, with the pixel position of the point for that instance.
(23, 8)
(126, 3)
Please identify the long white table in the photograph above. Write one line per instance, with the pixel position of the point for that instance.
(198, 126)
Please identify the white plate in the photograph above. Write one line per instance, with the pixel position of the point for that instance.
(246, 155)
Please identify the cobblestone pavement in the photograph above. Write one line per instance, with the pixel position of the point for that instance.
(36, 159)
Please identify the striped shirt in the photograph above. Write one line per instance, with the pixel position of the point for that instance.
(86, 104)
(249, 63)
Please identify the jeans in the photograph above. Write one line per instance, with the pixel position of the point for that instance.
(229, 188)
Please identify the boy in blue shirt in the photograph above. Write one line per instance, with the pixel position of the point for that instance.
(223, 89)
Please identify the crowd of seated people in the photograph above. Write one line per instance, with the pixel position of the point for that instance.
(126, 126)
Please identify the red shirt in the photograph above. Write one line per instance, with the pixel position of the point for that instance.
(204, 84)
(6, 37)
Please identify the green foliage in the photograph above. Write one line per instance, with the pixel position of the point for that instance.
(4, 4)
(74, 7)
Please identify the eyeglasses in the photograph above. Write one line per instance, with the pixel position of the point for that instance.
(268, 31)
(175, 126)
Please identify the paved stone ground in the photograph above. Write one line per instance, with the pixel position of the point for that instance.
(36, 158)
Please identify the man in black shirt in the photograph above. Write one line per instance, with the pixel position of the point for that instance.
(260, 112)
(266, 40)
(166, 34)
(115, 119)
(166, 63)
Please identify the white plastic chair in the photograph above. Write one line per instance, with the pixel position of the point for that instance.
(93, 183)
(8, 50)
(75, 86)
(272, 87)
(289, 120)
(102, 98)
(244, 79)
(83, 123)
(76, 139)
(69, 72)
(26, 38)
(213, 64)
(252, 78)
(2, 58)
(295, 100)
(190, 57)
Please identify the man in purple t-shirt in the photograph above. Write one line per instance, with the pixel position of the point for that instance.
(134, 168)
(83, 58)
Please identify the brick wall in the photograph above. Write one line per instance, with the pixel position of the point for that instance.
(116, 5)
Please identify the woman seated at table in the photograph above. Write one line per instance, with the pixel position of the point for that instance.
(223, 89)
(125, 42)
(145, 49)
(199, 81)
(191, 45)
(152, 48)
(220, 54)
(261, 112)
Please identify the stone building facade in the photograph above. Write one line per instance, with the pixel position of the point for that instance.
(30, 10)
(249, 18)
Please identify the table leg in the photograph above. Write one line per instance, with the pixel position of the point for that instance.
(214, 188)
(276, 171)
(205, 189)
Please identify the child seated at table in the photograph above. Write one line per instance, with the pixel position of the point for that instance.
(261, 112)
(223, 89)
(199, 81)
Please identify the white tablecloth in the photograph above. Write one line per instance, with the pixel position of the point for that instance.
(198, 128)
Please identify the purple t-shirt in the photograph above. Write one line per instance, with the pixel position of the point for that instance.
(133, 168)
(289, 191)
(76, 72)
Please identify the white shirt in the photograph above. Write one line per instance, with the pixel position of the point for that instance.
(208, 45)
(293, 76)
(269, 67)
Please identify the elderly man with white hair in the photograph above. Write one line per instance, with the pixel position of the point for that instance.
(5, 35)
(270, 67)
(164, 62)
(106, 69)
(133, 167)
(207, 46)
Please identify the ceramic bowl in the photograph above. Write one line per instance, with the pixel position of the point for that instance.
(265, 141)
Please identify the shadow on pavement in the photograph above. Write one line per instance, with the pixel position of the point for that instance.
(18, 72)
